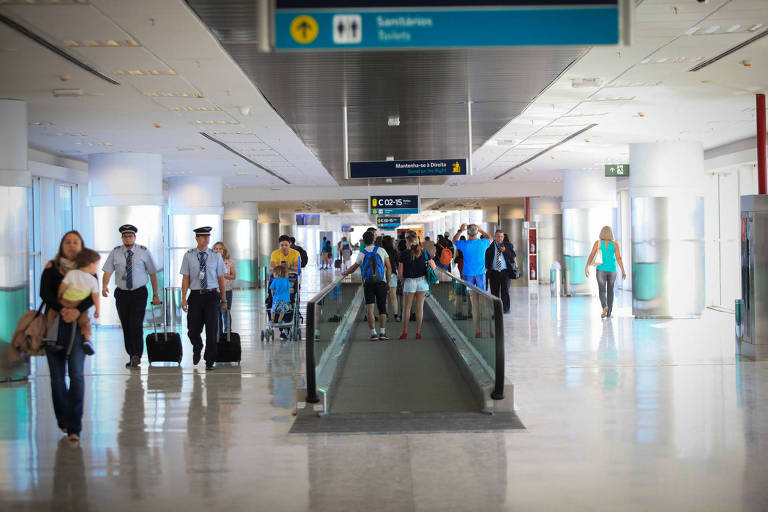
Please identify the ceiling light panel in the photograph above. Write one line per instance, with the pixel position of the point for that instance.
(105, 43)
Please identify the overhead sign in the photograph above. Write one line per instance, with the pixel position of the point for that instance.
(307, 219)
(340, 25)
(388, 222)
(394, 205)
(408, 168)
(346, 229)
(616, 170)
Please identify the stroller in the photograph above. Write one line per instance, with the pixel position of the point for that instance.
(291, 324)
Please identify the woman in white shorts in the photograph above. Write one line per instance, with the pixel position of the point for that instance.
(412, 269)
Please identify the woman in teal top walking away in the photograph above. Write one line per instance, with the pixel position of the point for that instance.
(606, 267)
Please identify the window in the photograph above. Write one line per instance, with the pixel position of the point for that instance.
(35, 243)
(64, 210)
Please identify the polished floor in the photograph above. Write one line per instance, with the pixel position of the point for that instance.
(621, 414)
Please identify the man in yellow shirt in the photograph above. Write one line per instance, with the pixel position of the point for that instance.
(285, 255)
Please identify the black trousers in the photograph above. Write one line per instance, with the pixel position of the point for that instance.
(499, 281)
(131, 306)
(203, 310)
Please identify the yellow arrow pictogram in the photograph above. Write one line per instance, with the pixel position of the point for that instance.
(304, 29)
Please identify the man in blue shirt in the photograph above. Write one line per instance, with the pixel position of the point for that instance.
(133, 267)
(473, 249)
(500, 263)
(203, 270)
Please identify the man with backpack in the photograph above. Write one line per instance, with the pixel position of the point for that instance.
(301, 251)
(444, 253)
(376, 271)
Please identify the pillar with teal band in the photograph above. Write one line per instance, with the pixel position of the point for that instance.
(15, 181)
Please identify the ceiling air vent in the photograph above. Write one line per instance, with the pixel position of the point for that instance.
(729, 51)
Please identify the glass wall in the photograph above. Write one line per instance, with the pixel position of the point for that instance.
(35, 243)
(64, 208)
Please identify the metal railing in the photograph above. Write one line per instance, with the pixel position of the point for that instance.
(314, 335)
(495, 356)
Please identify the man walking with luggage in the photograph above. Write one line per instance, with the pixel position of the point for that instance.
(133, 267)
(203, 270)
(376, 271)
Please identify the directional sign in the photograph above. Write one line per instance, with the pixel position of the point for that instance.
(408, 168)
(304, 29)
(394, 205)
(378, 24)
(388, 222)
(616, 170)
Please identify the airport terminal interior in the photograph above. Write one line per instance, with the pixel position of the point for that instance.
(605, 350)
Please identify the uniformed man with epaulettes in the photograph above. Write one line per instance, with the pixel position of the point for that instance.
(203, 270)
(133, 267)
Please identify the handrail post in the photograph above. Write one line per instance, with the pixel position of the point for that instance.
(312, 397)
(498, 389)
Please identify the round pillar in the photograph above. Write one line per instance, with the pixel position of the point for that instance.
(546, 213)
(193, 201)
(241, 234)
(126, 188)
(666, 186)
(15, 180)
(589, 203)
(269, 233)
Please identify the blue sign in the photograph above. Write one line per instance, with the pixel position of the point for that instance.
(530, 24)
(394, 205)
(408, 168)
(388, 222)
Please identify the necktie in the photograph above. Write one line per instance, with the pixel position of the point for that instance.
(203, 277)
(498, 258)
(129, 270)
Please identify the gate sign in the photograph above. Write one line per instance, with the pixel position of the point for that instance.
(408, 168)
(388, 222)
(352, 25)
(394, 205)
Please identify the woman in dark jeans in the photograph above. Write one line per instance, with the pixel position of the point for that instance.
(67, 402)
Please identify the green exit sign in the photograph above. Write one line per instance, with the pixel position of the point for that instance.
(616, 170)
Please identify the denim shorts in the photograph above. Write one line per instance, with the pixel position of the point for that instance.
(478, 280)
(415, 284)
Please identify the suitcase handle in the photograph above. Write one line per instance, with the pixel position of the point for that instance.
(154, 323)
(229, 324)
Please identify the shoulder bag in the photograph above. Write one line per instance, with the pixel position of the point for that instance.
(598, 259)
(431, 274)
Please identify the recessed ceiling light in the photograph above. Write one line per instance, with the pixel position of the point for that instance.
(135, 72)
(70, 42)
(111, 42)
(131, 42)
(755, 27)
(691, 31)
(91, 43)
(734, 28)
(712, 29)
(153, 72)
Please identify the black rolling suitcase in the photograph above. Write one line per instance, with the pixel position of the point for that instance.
(228, 349)
(164, 347)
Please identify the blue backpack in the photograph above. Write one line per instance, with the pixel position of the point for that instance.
(373, 268)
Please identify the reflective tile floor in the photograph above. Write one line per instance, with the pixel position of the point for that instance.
(621, 414)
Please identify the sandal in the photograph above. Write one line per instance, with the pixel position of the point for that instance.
(418, 335)
(404, 336)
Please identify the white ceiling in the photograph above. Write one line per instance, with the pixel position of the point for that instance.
(205, 91)
(647, 93)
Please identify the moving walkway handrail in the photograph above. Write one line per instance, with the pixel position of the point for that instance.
(498, 387)
(312, 396)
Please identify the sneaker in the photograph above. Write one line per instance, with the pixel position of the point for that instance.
(283, 336)
(88, 348)
(209, 367)
(383, 337)
(374, 337)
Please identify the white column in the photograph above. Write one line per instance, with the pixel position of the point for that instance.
(666, 186)
(546, 213)
(193, 201)
(589, 203)
(15, 180)
(241, 235)
(126, 188)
